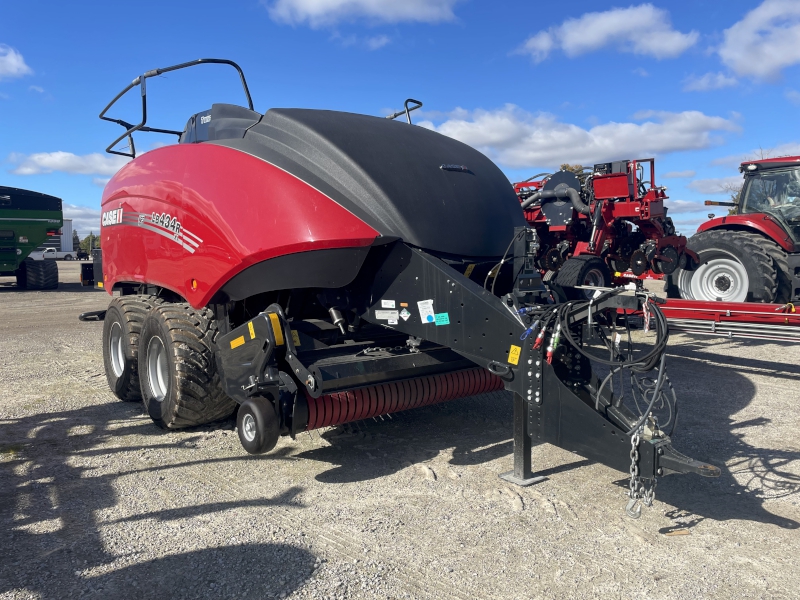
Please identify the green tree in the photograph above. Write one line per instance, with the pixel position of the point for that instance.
(90, 242)
(76, 241)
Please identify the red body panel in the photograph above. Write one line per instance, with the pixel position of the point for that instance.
(759, 222)
(195, 215)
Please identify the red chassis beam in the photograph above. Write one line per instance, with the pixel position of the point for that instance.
(779, 322)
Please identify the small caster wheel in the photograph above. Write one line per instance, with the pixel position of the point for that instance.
(257, 424)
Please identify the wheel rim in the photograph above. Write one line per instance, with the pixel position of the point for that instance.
(720, 277)
(116, 350)
(249, 428)
(594, 278)
(157, 369)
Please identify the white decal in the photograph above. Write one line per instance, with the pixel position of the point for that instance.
(205, 119)
(387, 304)
(112, 217)
(426, 311)
(383, 315)
(404, 314)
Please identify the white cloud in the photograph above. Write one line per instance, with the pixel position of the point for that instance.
(321, 13)
(36, 88)
(687, 226)
(100, 181)
(678, 174)
(734, 160)
(642, 29)
(765, 41)
(66, 162)
(12, 64)
(640, 72)
(519, 139)
(793, 96)
(720, 185)
(84, 219)
(709, 81)
(377, 42)
(679, 207)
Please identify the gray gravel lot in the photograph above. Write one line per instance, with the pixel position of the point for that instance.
(96, 502)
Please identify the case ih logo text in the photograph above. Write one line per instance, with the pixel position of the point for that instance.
(112, 217)
(205, 119)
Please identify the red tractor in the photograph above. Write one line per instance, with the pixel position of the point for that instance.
(602, 228)
(752, 254)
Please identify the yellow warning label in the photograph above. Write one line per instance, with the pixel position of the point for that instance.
(513, 354)
(295, 338)
(276, 328)
(493, 272)
(470, 269)
(99, 284)
(252, 331)
(239, 341)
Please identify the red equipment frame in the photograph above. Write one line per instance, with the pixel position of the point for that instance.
(621, 199)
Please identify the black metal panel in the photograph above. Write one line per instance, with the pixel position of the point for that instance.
(389, 175)
(354, 370)
(244, 353)
(18, 199)
(331, 268)
(472, 321)
(561, 418)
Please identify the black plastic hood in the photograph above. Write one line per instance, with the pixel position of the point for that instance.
(404, 181)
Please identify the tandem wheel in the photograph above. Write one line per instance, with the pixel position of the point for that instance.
(257, 424)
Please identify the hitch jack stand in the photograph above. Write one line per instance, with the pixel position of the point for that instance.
(521, 475)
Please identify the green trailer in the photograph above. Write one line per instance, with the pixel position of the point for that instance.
(26, 220)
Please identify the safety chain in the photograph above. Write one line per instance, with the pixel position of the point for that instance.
(638, 490)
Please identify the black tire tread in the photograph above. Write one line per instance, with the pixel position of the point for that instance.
(781, 262)
(764, 281)
(41, 274)
(570, 271)
(199, 396)
(133, 309)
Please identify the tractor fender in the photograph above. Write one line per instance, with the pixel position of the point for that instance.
(757, 222)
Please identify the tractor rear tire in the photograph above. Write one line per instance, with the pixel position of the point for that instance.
(734, 267)
(582, 270)
(41, 274)
(121, 329)
(177, 373)
(781, 262)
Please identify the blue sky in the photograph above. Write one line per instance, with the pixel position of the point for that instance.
(700, 85)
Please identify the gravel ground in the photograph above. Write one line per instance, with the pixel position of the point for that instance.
(96, 502)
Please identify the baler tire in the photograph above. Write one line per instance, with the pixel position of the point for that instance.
(576, 270)
(781, 261)
(734, 246)
(120, 356)
(257, 425)
(181, 387)
(41, 274)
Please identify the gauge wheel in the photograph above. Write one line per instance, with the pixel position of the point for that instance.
(583, 270)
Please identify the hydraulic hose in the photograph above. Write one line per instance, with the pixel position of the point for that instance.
(569, 192)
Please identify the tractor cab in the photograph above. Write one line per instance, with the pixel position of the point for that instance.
(773, 188)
